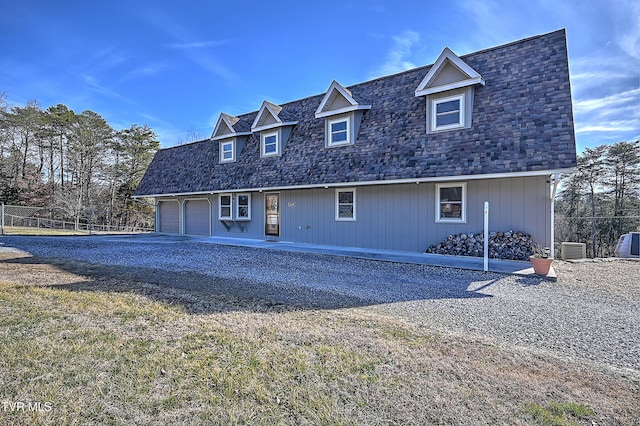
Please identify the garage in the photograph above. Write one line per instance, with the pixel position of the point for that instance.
(168, 217)
(197, 217)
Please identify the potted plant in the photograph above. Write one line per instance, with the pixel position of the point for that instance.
(541, 260)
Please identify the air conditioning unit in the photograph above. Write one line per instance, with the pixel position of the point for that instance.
(628, 245)
(574, 251)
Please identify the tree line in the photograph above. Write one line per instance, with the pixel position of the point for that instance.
(75, 164)
(601, 200)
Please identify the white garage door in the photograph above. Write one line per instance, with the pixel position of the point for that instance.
(197, 217)
(168, 217)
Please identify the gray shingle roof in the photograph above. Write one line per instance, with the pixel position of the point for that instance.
(521, 121)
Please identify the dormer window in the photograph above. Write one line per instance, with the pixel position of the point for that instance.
(448, 113)
(342, 114)
(449, 88)
(339, 132)
(227, 152)
(231, 134)
(270, 144)
(275, 126)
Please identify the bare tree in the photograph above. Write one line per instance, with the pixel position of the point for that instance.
(601, 201)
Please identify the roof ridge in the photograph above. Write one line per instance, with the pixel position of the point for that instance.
(520, 127)
(501, 46)
(488, 49)
(185, 144)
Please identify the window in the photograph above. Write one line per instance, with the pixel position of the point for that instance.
(339, 132)
(447, 113)
(451, 202)
(345, 204)
(225, 207)
(270, 144)
(226, 152)
(243, 210)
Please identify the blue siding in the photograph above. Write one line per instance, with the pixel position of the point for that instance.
(252, 229)
(397, 216)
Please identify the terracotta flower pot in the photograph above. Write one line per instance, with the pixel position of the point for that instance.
(541, 266)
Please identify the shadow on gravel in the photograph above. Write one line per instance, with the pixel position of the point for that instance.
(531, 280)
(202, 293)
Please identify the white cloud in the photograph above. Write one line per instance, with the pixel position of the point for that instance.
(627, 26)
(106, 59)
(95, 86)
(183, 37)
(397, 59)
(608, 102)
(198, 44)
(608, 119)
(611, 127)
(143, 71)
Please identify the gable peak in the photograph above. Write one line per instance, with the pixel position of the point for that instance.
(268, 117)
(224, 127)
(229, 119)
(459, 74)
(336, 100)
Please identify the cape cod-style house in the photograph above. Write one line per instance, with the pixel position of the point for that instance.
(396, 163)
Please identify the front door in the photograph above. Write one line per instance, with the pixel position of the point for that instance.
(272, 214)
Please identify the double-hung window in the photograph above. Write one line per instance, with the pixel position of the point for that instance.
(345, 204)
(243, 209)
(451, 202)
(270, 144)
(339, 132)
(224, 212)
(226, 152)
(447, 113)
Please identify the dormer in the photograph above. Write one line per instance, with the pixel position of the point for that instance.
(274, 129)
(449, 88)
(230, 136)
(342, 114)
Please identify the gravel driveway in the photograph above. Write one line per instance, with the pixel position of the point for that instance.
(591, 313)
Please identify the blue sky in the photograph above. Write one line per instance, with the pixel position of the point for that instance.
(177, 65)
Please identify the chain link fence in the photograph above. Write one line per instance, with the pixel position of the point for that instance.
(47, 220)
(599, 233)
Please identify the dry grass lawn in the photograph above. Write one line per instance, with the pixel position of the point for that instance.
(97, 348)
(23, 230)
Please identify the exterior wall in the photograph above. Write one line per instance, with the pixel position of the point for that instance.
(252, 229)
(398, 216)
(402, 217)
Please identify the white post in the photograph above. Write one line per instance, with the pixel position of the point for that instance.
(554, 190)
(486, 236)
(2, 217)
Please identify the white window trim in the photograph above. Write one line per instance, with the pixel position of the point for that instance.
(345, 219)
(237, 197)
(233, 152)
(461, 120)
(220, 216)
(463, 218)
(263, 146)
(330, 133)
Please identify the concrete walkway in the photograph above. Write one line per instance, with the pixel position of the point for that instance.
(512, 267)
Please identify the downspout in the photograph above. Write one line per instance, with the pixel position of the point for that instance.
(554, 180)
